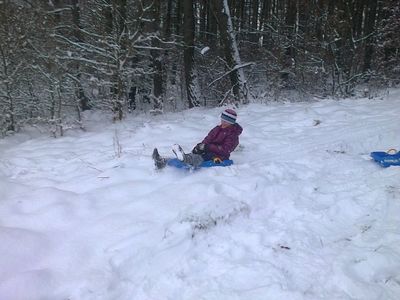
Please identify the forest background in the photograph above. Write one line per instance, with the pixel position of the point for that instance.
(59, 58)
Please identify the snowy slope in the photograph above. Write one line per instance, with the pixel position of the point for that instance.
(303, 214)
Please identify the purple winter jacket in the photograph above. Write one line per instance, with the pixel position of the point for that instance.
(222, 141)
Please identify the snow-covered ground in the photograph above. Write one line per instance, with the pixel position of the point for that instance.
(303, 213)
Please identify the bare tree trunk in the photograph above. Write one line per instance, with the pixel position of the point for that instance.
(238, 80)
(358, 13)
(8, 96)
(157, 58)
(76, 19)
(212, 28)
(108, 15)
(192, 86)
(254, 21)
(116, 18)
(264, 18)
(178, 16)
(369, 31)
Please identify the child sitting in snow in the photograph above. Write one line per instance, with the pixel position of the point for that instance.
(216, 146)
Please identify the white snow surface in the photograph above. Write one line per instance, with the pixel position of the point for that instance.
(302, 214)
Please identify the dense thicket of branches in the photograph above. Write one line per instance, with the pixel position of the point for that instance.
(60, 57)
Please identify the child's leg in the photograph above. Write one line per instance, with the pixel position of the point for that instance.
(193, 159)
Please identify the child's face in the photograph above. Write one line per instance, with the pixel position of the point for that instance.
(225, 124)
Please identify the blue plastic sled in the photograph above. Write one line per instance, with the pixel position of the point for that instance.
(385, 159)
(174, 162)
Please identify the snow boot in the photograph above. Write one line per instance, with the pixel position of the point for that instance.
(159, 161)
(179, 153)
